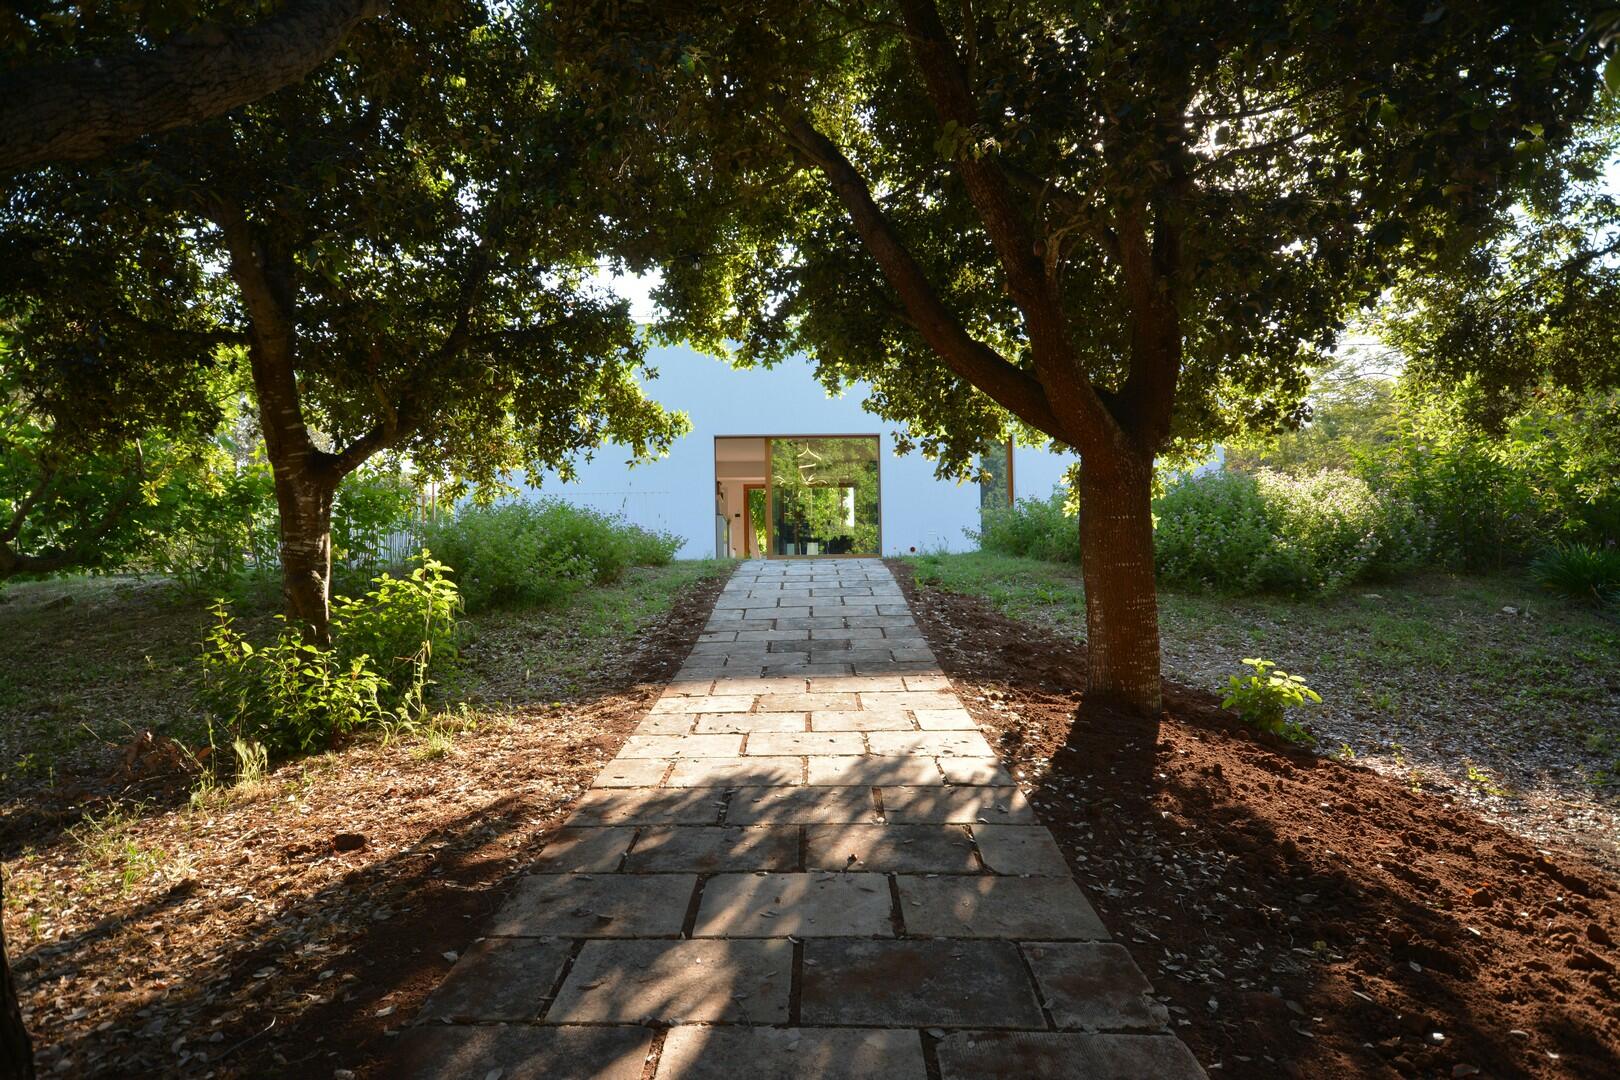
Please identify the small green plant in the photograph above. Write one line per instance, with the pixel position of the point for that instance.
(1345, 753)
(406, 628)
(1264, 697)
(109, 846)
(1581, 572)
(1483, 780)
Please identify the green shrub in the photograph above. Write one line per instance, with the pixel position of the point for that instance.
(541, 552)
(405, 627)
(288, 696)
(1033, 529)
(1264, 697)
(1211, 529)
(292, 697)
(1581, 572)
(1304, 535)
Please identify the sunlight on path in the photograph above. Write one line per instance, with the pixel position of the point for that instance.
(807, 862)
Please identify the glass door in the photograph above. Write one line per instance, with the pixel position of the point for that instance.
(824, 497)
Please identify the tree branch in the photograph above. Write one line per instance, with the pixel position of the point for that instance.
(82, 109)
(1009, 386)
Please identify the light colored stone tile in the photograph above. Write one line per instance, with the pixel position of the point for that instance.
(705, 703)
(994, 805)
(595, 905)
(632, 772)
(521, 1053)
(860, 720)
(736, 772)
(584, 850)
(654, 806)
(777, 805)
(944, 720)
(972, 1055)
(928, 683)
(667, 724)
(1020, 849)
(782, 685)
(749, 723)
(850, 684)
(806, 702)
(931, 743)
(997, 907)
(908, 699)
(911, 849)
(800, 905)
(702, 849)
(969, 770)
(504, 979)
(1094, 987)
(806, 742)
(681, 746)
(919, 984)
(871, 771)
(763, 1053)
(676, 982)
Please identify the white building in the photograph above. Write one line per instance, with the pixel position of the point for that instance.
(838, 486)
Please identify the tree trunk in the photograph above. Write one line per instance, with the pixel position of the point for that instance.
(1122, 606)
(16, 1050)
(305, 504)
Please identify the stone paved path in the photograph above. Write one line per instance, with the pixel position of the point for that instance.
(806, 862)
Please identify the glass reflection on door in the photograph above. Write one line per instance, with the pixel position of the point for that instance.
(824, 496)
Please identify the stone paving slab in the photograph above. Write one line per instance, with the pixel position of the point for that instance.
(806, 852)
(797, 905)
(862, 720)
(523, 1053)
(920, 849)
(799, 806)
(701, 849)
(1011, 908)
(1094, 987)
(736, 772)
(499, 979)
(584, 850)
(966, 805)
(807, 742)
(749, 723)
(677, 982)
(918, 984)
(976, 1055)
(652, 806)
(595, 905)
(762, 1053)
(870, 771)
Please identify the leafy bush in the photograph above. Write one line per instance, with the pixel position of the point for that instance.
(292, 697)
(288, 696)
(1581, 572)
(1310, 534)
(1032, 528)
(1264, 697)
(405, 627)
(541, 552)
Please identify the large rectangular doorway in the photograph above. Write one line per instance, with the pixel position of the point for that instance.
(797, 496)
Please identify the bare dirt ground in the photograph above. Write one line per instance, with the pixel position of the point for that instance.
(287, 928)
(1302, 916)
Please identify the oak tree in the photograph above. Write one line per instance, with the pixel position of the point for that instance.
(1125, 227)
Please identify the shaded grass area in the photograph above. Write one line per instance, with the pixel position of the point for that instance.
(1484, 687)
(155, 926)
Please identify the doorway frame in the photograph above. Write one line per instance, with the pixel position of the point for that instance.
(770, 441)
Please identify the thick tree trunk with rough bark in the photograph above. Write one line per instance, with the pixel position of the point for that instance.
(1122, 608)
(85, 108)
(16, 1050)
(305, 505)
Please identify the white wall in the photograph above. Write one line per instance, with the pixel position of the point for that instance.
(676, 493)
